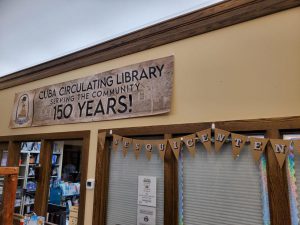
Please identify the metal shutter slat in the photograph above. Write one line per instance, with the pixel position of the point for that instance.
(220, 190)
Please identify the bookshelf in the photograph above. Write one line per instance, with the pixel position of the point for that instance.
(29, 160)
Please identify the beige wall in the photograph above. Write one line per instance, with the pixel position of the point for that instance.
(250, 70)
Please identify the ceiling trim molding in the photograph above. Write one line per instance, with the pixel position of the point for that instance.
(204, 20)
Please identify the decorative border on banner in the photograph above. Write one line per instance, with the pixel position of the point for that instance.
(264, 190)
(292, 188)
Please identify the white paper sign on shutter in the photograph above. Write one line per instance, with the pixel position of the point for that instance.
(147, 191)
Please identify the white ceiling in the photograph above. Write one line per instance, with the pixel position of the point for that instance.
(36, 31)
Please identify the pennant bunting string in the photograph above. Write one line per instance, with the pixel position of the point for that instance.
(257, 145)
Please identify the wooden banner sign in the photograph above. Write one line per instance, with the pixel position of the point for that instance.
(205, 138)
(175, 144)
(281, 149)
(101, 139)
(137, 147)
(220, 138)
(258, 146)
(117, 139)
(137, 90)
(190, 143)
(296, 146)
(126, 142)
(238, 142)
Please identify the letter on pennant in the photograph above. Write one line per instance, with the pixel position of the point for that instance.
(175, 144)
(238, 143)
(205, 138)
(220, 138)
(117, 139)
(162, 146)
(281, 149)
(137, 147)
(149, 149)
(125, 145)
(258, 146)
(190, 143)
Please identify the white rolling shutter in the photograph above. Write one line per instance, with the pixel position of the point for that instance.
(123, 186)
(220, 190)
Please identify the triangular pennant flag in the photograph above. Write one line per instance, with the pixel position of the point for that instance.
(175, 144)
(190, 143)
(117, 139)
(161, 146)
(258, 146)
(101, 139)
(125, 145)
(281, 149)
(296, 145)
(137, 147)
(149, 148)
(220, 138)
(205, 138)
(238, 142)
